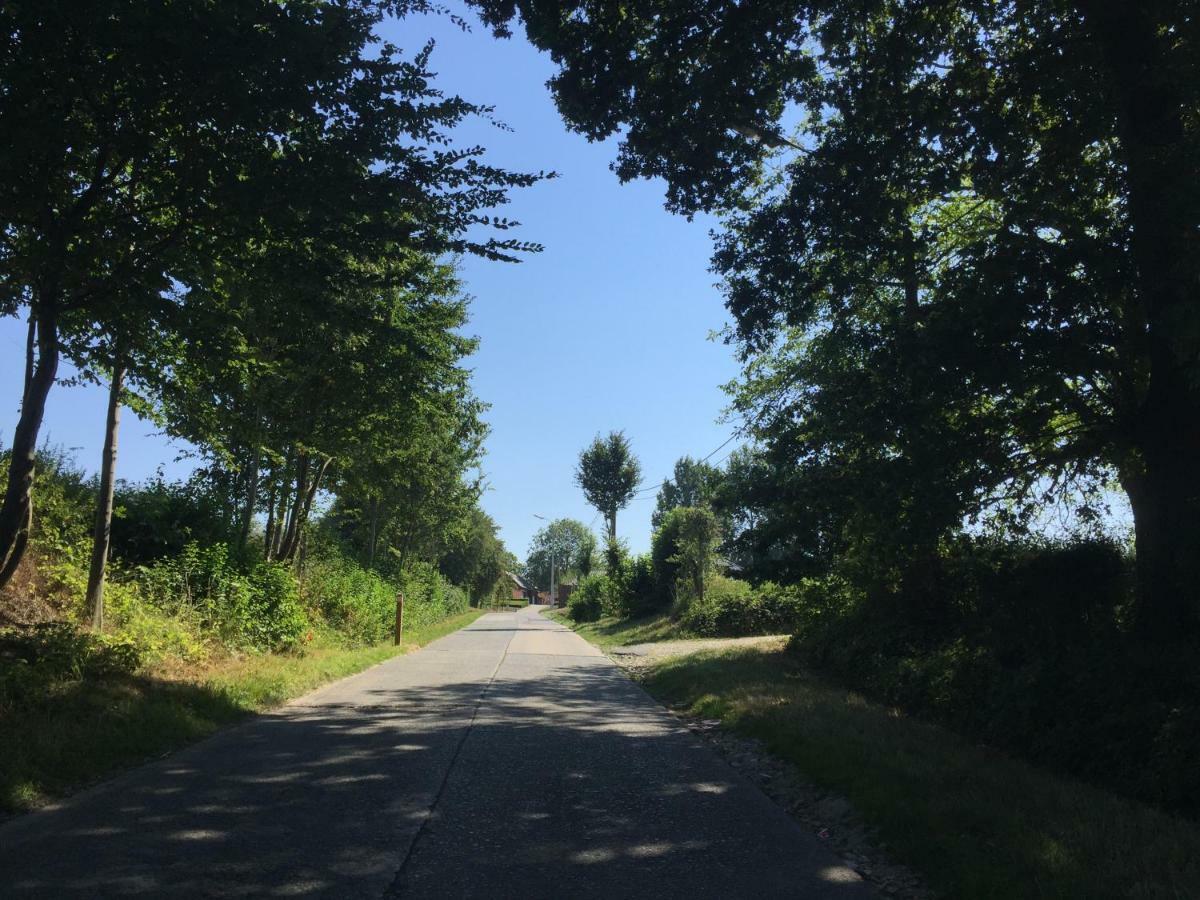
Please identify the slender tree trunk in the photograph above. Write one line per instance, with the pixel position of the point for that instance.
(269, 533)
(612, 524)
(374, 533)
(16, 512)
(102, 530)
(251, 500)
(288, 545)
(280, 520)
(1164, 212)
(284, 474)
(301, 518)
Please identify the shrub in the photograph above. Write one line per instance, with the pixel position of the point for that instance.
(638, 589)
(586, 603)
(1029, 652)
(358, 603)
(33, 660)
(158, 519)
(732, 608)
(260, 610)
(272, 616)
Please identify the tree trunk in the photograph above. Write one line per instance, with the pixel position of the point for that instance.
(16, 512)
(269, 533)
(612, 524)
(251, 500)
(306, 492)
(102, 530)
(1164, 213)
(374, 532)
(288, 545)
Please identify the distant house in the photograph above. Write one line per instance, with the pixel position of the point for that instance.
(564, 592)
(520, 589)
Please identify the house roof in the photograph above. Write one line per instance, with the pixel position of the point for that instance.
(519, 581)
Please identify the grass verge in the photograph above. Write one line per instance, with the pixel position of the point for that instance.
(609, 632)
(976, 823)
(86, 730)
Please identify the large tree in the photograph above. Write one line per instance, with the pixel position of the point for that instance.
(608, 474)
(563, 544)
(969, 276)
(145, 141)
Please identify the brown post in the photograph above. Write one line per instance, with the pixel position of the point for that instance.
(399, 617)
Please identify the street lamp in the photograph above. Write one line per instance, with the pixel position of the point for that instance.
(553, 598)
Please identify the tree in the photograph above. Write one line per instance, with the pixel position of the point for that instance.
(694, 484)
(683, 553)
(775, 520)
(475, 557)
(608, 473)
(968, 280)
(562, 543)
(129, 172)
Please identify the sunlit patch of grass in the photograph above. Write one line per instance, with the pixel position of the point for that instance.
(977, 823)
(87, 729)
(610, 631)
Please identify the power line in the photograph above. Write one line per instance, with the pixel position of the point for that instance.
(724, 444)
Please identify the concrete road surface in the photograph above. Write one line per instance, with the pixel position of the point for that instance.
(510, 759)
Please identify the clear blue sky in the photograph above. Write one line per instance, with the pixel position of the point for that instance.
(608, 328)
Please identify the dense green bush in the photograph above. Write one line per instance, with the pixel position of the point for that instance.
(1028, 652)
(157, 519)
(356, 602)
(586, 603)
(34, 660)
(261, 609)
(733, 608)
(428, 597)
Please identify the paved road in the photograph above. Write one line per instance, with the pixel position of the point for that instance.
(510, 759)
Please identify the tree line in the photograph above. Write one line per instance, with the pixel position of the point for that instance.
(244, 218)
(957, 245)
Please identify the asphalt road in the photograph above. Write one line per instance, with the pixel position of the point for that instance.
(510, 759)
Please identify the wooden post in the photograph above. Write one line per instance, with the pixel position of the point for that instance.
(399, 617)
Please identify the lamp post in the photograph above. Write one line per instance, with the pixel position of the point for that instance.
(553, 599)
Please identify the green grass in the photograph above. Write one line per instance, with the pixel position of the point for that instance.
(86, 730)
(610, 632)
(977, 824)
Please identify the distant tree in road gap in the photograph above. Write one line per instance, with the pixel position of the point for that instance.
(608, 474)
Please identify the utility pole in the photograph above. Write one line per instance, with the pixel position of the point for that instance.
(553, 599)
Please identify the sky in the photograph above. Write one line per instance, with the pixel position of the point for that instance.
(608, 328)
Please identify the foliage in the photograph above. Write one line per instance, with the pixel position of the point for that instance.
(624, 590)
(159, 518)
(34, 661)
(586, 603)
(695, 536)
(682, 551)
(476, 558)
(608, 474)
(958, 258)
(974, 822)
(733, 608)
(258, 609)
(301, 333)
(565, 541)
(694, 483)
(1029, 651)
